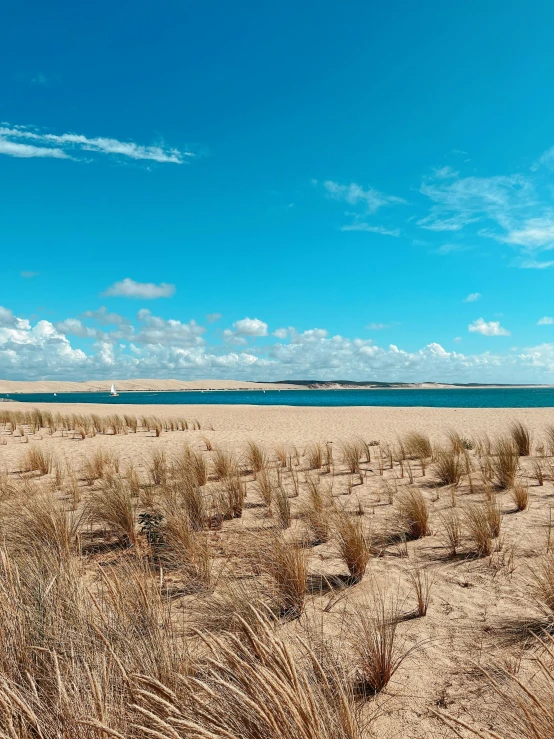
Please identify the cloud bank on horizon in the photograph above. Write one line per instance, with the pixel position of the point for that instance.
(151, 346)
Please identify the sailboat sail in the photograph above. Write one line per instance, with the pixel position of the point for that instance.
(113, 391)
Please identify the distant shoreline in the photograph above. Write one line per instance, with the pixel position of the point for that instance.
(14, 388)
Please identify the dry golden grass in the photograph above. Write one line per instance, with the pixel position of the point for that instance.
(448, 467)
(521, 438)
(37, 460)
(354, 544)
(256, 456)
(520, 495)
(314, 456)
(285, 565)
(418, 445)
(478, 528)
(505, 463)
(378, 652)
(524, 698)
(458, 444)
(422, 582)
(452, 530)
(317, 510)
(103, 587)
(282, 506)
(412, 514)
(225, 464)
(112, 506)
(276, 696)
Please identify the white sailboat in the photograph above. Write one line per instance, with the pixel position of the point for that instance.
(113, 391)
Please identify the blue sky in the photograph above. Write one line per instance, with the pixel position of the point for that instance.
(260, 191)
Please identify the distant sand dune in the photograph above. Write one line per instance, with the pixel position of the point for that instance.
(56, 386)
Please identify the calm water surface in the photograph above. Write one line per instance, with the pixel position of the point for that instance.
(542, 397)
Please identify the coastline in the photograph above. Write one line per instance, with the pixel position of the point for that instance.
(39, 387)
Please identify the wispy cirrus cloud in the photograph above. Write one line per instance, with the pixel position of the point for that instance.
(28, 151)
(534, 264)
(377, 326)
(26, 142)
(354, 194)
(372, 229)
(461, 201)
(545, 321)
(129, 288)
(472, 297)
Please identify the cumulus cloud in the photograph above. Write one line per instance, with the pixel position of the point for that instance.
(487, 328)
(172, 348)
(545, 321)
(472, 297)
(156, 330)
(68, 145)
(250, 327)
(213, 317)
(105, 317)
(128, 288)
(75, 327)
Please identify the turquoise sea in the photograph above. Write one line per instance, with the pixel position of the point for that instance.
(513, 397)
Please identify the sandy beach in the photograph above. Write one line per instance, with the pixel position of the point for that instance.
(234, 424)
(479, 605)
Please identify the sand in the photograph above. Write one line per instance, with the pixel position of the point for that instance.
(233, 424)
(59, 386)
(478, 606)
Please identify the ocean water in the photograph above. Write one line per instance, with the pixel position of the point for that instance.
(540, 397)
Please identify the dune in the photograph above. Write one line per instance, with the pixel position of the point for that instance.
(95, 386)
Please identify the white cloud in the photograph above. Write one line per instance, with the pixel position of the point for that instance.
(534, 234)
(546, 159)
(155, 330)
(377, 326)
(462, 201)
(230, 337)
(444, 173)
(63, 145)
(472, 297)
(250, 327)
(128, 288)
(372, 229)
(487, 328)
(281, 333)
(213, 317)
(355, 194)
(444, 249)
(545, 321)
(105, 317)
(534, 264)
(172, 348)
(75, 327)
(27, 151)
